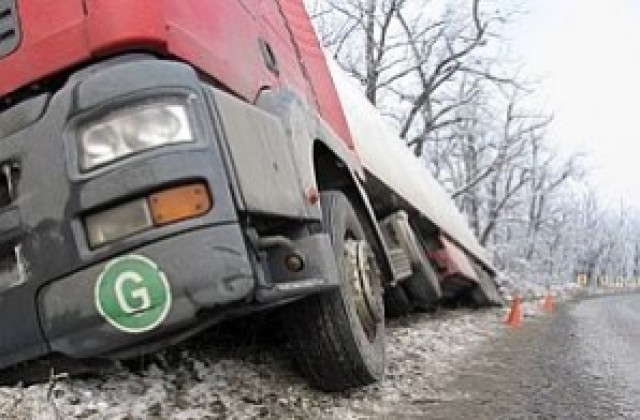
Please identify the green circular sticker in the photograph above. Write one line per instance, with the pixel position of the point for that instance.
(132, 294)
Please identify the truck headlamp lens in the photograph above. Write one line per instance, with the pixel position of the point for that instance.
(133, 130)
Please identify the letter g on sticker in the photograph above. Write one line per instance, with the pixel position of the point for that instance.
(133, 294)
(140, 294)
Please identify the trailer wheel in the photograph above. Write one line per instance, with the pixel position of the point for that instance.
(423, 287)
(338, 336)
(396, 302)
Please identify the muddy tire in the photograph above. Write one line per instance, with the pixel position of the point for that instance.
(338, 336)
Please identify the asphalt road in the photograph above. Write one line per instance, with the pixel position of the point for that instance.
(581, 362)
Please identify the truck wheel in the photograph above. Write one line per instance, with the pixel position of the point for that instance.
(338, 336)
(423, 287)
(396, 302)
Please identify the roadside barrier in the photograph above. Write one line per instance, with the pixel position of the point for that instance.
(515, 315)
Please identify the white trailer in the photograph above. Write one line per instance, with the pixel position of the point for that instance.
(411, 200)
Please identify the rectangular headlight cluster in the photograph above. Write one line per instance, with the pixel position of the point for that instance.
(132, 130)
(161, 208)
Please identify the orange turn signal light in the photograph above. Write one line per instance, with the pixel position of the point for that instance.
(180, 203)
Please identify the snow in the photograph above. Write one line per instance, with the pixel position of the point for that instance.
(241, 376)
(259, 380)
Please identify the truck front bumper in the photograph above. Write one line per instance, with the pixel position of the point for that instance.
(210, 270)
(61, 293)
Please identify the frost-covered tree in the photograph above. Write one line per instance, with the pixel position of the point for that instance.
(440, 71)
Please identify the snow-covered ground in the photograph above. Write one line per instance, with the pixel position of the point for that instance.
(234, 374)
(259, 380)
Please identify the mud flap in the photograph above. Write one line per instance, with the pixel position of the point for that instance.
(486, 293)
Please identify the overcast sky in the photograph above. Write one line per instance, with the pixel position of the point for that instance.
(587, 52)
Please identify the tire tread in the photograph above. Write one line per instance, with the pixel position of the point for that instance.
(321, 335)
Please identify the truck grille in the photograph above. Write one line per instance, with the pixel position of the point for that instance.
(6, 184)
(11, 230)
(9, 268)
(9, 27)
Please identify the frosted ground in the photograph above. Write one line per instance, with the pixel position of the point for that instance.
(254, 378)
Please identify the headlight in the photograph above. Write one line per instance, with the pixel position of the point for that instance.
(133, 130)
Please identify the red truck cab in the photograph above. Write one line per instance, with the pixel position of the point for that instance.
(167, 164)
(162, 164)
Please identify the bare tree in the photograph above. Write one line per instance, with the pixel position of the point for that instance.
(436, 68)
(411, 51)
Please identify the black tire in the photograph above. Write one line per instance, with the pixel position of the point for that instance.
(396, 302)
(423, 287)
(334, 348)
(477, 298)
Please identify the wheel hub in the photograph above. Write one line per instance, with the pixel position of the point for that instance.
(364, 279)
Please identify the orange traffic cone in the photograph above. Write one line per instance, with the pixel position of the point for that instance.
(515, 315)
(548, 304)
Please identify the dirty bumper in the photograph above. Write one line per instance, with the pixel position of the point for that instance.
(143, 298)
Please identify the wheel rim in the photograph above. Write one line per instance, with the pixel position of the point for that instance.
(364, 279)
